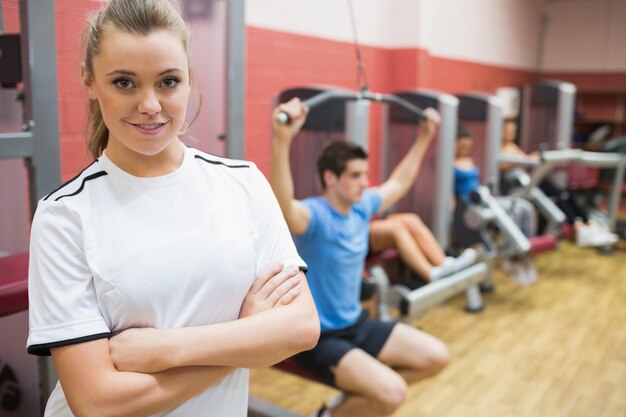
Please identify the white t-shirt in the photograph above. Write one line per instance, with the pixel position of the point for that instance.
(110, 251)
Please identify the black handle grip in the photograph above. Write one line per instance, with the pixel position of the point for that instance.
(316, 100)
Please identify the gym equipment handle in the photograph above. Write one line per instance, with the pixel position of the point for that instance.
(283, 118)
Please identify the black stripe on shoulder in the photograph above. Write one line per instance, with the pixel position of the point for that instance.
(220, 163)
(67, 182)
(44, 348)
(82, 185)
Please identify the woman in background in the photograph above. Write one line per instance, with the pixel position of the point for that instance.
(467, 179)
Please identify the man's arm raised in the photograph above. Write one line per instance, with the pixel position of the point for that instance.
(403, 175)
(281, 180)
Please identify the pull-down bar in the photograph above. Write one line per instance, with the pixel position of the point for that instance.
(328, 95)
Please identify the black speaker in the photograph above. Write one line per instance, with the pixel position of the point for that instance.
(10, 61)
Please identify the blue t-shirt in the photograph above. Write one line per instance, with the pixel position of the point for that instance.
(334, 247)
(465, 181)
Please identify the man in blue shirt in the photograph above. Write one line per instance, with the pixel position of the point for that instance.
(370, 360)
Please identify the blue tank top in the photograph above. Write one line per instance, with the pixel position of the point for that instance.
(465, 181)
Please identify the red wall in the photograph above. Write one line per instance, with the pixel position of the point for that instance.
(11, 17)
(417, 68)
(608, 81)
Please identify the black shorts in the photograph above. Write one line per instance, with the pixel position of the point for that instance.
(366, 334)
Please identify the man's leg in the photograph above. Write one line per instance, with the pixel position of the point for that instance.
(372, 388)
(413, 353)
(373, 385)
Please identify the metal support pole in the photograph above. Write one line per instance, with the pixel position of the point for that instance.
(40, 88)
(565, 117)
(448, 107)
(494, 141)
(474, 300)
(235, 78)
(38, 44)
(357, 122)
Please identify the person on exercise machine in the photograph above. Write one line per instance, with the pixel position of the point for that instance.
(369, 360)
(467, 179)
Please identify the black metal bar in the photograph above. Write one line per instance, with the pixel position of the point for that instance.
(390, 98)
(328, 95)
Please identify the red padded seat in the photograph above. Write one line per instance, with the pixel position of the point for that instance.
(543, 243)
(380, 257)
(13, 284)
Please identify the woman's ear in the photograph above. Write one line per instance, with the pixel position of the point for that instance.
(87, 82)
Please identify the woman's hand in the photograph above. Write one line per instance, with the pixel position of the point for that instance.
(273, 287)
(141, 349)
(146, 349)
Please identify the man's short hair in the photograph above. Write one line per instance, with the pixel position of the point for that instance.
(335, 157)
(463, 132)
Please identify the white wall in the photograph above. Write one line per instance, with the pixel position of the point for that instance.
(378, 22)
(581, 35)
(499, 32)
(585, 35)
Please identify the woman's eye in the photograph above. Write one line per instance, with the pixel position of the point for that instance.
(169, 82)
(124, 84)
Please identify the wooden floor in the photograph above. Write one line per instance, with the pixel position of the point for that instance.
(554, 349)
